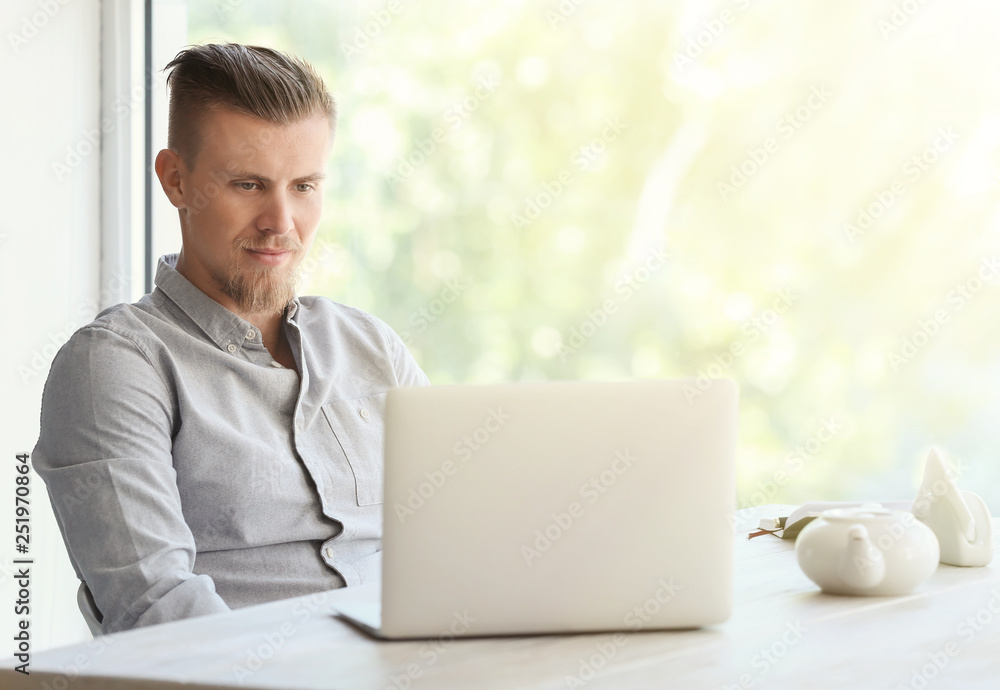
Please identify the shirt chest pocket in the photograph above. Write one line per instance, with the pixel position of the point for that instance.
(357, 424)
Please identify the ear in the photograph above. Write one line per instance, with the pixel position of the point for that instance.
(171, 171)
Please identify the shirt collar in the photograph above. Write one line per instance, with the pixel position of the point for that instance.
(221, 325)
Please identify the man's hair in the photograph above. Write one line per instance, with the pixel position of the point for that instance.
(255, 81)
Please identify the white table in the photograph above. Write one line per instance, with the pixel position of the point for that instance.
(783, 634)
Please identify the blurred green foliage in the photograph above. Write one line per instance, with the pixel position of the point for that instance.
(505, 172)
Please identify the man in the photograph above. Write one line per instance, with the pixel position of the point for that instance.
(219, 442)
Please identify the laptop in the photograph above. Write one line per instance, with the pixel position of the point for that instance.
(556, 507)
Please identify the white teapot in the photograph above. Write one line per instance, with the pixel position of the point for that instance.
(867, 551)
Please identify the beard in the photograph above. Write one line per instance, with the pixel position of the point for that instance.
(261, 289)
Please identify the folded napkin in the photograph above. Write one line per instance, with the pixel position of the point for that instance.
(789, 526)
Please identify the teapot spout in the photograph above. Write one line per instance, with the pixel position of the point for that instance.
(861, 564)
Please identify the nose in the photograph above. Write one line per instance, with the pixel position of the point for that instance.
(276, 215)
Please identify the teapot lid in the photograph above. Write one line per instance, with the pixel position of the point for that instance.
(872, 511)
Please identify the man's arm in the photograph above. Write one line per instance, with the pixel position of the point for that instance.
(408, 372)
(105, 455)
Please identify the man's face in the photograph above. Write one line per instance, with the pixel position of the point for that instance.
(249, 207)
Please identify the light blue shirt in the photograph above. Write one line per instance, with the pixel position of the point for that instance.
(191, 473)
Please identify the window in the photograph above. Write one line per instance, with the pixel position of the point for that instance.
(800, 196)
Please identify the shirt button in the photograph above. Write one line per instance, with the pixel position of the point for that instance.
(276, 365)
(231, 347)
(328, 551)
(251, 335)
(364, 413)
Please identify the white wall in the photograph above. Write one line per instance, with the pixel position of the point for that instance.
(49, 268)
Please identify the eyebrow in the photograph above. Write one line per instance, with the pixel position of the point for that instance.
(239, 174)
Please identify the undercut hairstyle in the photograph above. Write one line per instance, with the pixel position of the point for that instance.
(255, 81)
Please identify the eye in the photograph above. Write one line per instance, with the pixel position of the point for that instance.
(304, 187)
(247, 186)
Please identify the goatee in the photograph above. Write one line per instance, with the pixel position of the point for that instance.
(260, 289)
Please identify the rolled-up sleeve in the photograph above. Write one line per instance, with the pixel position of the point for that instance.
(104, 453)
